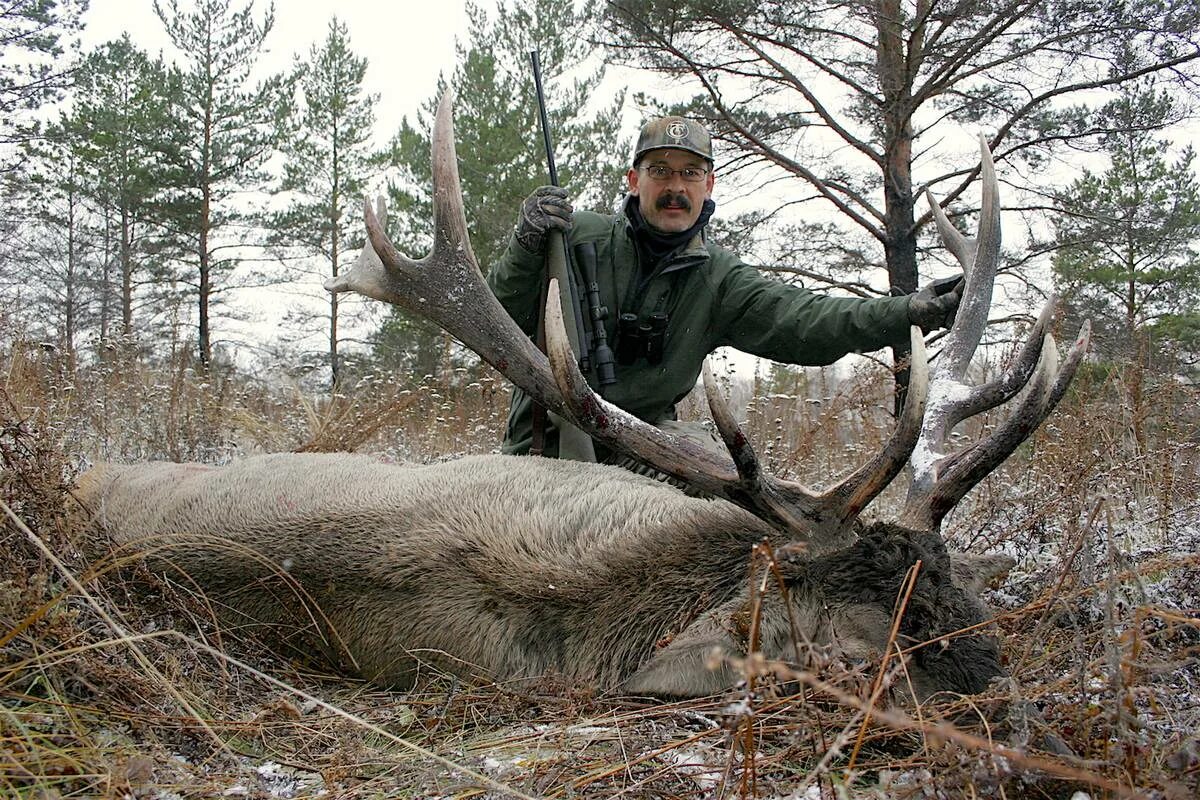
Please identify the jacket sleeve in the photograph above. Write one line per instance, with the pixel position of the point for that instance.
(790, 324)
(516, 280)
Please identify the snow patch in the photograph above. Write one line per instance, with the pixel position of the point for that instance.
(694, 762)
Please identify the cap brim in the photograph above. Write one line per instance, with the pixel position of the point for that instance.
(641, 153)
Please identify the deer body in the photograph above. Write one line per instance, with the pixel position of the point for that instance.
(505, 566)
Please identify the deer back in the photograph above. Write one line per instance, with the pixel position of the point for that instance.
(508, 566)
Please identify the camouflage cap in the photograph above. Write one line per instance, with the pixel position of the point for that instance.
(677, 132)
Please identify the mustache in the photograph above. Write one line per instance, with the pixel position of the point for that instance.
(673, 199)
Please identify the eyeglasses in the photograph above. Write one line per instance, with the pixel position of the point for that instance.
(690, 174)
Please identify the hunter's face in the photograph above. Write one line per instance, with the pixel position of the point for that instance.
(671, 187)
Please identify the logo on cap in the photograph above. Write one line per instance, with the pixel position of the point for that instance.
(677, 130)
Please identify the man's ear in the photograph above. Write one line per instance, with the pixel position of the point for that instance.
(631, 178)
(708, 184)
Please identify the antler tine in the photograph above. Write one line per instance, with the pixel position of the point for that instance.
(958, 402)
(739, 447)
(961, 471)
(447, 286)
(939, 479)
(1004, 387)
(984, 256)
(859, 488)
(619, 429)
(451, 242)
(961, 247)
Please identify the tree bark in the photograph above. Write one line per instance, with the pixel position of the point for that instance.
(205, 343)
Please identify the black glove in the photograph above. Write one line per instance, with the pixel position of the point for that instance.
(935, 305)
(548, 207)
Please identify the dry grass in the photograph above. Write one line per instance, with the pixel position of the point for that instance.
(118, 683)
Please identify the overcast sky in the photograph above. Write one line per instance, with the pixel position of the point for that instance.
(406, 43)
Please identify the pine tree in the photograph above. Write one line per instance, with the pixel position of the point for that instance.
(232, 129)
(120, 117)
(59, 261)
(1128, 237)
(34, 69)
(36, 39)
(328, 161)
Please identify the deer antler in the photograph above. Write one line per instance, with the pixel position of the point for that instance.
(940, 479)
(447, 287)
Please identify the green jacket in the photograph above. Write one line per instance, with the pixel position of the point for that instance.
(712, 299)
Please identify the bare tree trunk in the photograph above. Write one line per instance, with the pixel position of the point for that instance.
(900, 231)
(334, 363)
(205, 343)
(106, 282)
(69, 288)
(126, 275)
(335, 375)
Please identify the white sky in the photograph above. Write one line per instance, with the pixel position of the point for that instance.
(406, 43)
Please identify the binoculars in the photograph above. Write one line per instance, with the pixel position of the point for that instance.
(637, 338)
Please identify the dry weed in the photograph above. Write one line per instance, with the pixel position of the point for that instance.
(125, 684)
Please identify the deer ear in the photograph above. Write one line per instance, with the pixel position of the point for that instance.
(973, 572)
(793, 560)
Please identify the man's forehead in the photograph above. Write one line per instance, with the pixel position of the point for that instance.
(669, 155)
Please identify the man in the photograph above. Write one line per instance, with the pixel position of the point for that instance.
(673, 297)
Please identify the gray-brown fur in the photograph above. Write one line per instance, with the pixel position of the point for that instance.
(516, 567)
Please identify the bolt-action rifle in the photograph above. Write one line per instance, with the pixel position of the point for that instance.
(582, 311)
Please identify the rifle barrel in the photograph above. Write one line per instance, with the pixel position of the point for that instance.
(545, 119)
